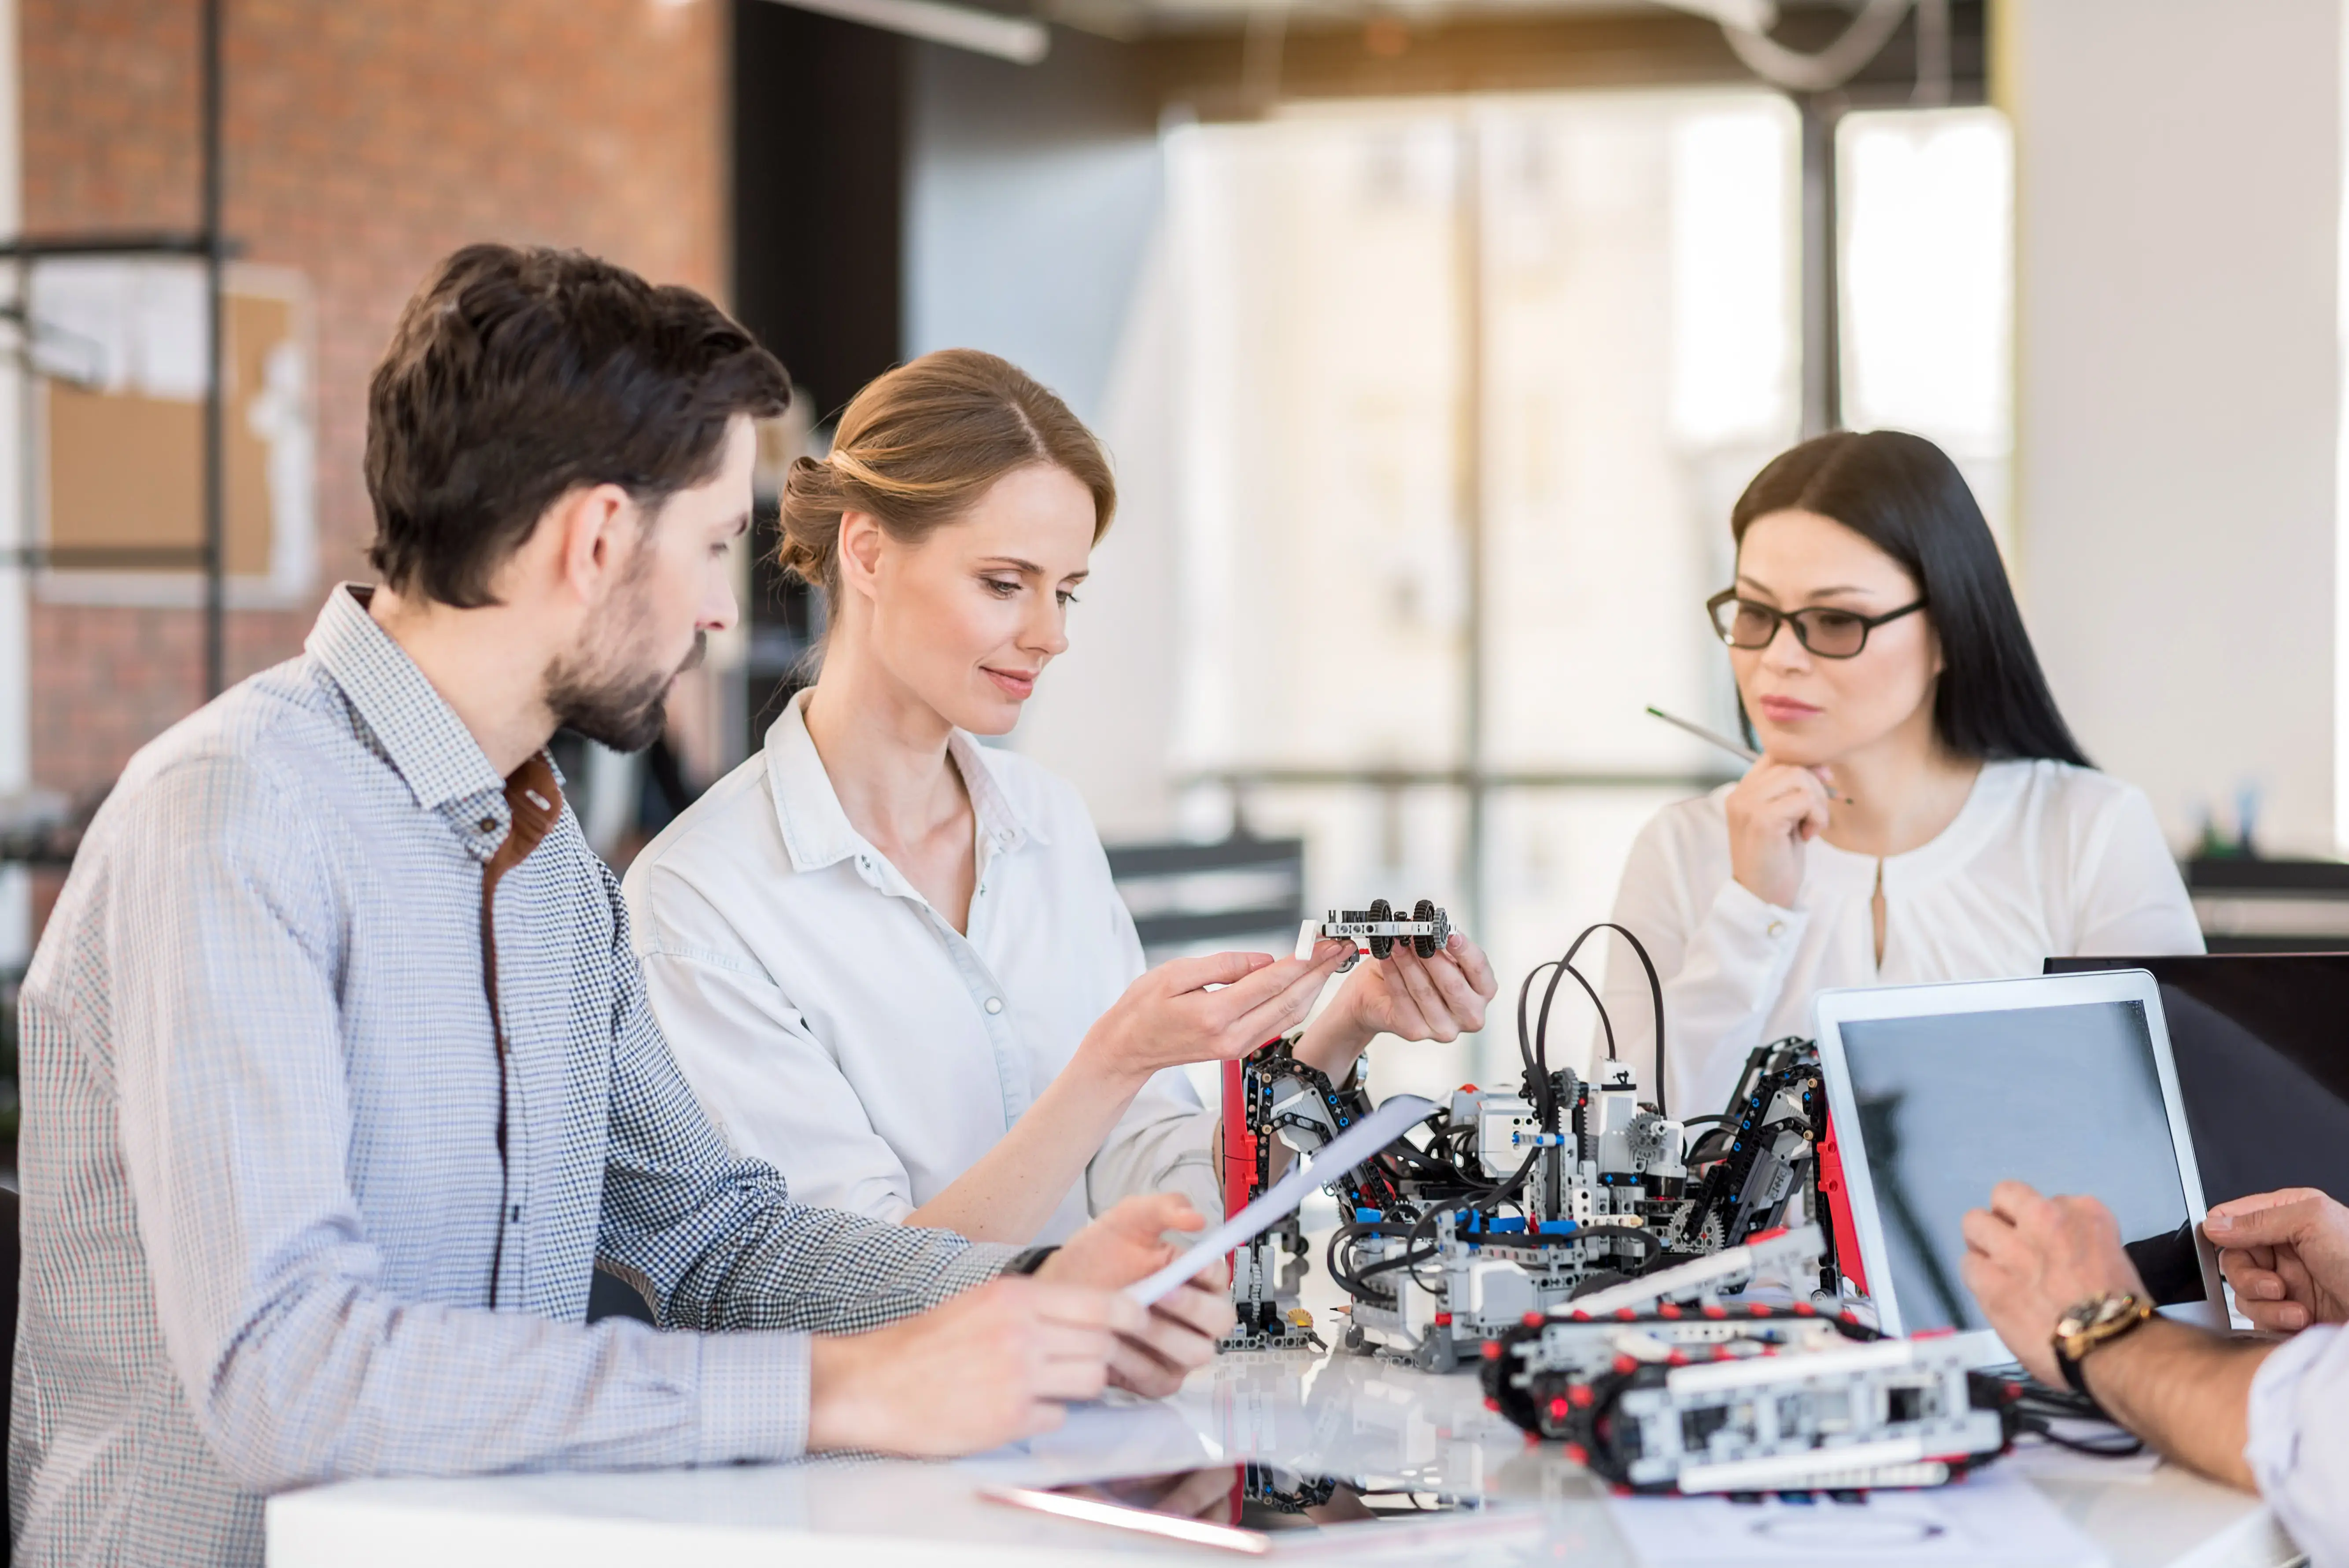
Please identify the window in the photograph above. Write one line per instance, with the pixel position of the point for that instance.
(1467, 389)
(1926, 201)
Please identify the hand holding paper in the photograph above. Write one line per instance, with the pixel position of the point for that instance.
(1342, 1154)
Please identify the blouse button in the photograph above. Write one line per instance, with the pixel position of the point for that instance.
(1776, 928)
(489, 824)
(995, 1003)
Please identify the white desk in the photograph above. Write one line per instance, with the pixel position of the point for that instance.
(1342, 1415)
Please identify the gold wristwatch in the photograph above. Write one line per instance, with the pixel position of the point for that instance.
(2099, 1320)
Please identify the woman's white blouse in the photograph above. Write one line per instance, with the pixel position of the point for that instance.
(2044, 860)
(834, 1024)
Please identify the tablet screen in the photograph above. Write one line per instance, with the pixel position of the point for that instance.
(2067, 1099)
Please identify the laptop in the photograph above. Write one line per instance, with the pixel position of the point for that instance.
(2261, 1043)
(2066, 1082)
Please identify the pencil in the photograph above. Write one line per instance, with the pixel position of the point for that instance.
(1735, 748)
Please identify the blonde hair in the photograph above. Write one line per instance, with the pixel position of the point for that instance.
(917, 448)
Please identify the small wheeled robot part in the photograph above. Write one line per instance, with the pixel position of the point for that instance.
(1375, 931)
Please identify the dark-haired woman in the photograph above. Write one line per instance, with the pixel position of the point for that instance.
(1920, 812)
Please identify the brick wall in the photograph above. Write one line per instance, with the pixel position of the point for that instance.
(366, 139)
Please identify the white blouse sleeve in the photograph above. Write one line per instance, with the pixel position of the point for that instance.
(1162, 1143)
(2131, 900)
(768, 1084)
(1723, 964)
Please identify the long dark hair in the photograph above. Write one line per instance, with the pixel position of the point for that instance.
(1902, 494)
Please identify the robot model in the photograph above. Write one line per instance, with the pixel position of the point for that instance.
(1513, 1203)
(1266, 1271)
(1660, 1386)
(1375, 931)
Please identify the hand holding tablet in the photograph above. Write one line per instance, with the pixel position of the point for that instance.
(1342, 1154)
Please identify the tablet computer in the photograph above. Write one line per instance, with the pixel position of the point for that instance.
(1940, 1092)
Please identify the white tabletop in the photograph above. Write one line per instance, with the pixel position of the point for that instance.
(1342, 1415)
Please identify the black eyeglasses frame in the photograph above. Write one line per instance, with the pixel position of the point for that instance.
(1794, 618)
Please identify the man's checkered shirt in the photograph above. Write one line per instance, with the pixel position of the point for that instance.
(261, 1188)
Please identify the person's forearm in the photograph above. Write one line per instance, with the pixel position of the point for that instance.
(1331, 1045)
(2185, 1392)
(1013, 1190)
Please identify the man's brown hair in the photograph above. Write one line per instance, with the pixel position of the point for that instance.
(517, 375)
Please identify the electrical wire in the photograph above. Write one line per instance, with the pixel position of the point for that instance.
(2038, 1407)
(1566, 966)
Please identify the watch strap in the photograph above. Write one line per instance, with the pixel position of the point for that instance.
(2071, 1370)
(2097, 1335)
(1028, 1262)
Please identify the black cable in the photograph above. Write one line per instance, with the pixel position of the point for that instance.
(1536, 1072)
(1654, 1243)
(2038, 1407)
(1344, 1272)
(2128, 1446)
(1655, 995)
(1541, 1023)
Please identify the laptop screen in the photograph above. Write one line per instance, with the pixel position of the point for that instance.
(2262, 1044)
(2067, 1099)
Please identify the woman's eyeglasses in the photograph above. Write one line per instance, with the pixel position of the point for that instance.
(1827, 634)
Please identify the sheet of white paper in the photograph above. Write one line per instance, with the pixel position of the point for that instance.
(1334, 1159)
(1991, 1518)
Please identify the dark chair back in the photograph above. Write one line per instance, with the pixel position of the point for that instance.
(1185, 894)
(2270, 906)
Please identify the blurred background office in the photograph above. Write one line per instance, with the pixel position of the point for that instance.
(1432, 339)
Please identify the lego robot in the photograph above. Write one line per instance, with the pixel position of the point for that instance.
(1266, 1106)
(1504, 1205)
(1597, 1186)
(1375, 931)
(1660, 1386)
(1606, 1190)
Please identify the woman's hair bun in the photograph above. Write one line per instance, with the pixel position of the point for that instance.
(811, 519)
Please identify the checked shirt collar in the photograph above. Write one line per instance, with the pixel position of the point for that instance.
(417, 733)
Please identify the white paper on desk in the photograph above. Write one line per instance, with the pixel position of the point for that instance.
(1988, 1520)
(1277, 1202)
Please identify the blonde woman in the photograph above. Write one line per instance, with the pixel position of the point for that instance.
(890, 959)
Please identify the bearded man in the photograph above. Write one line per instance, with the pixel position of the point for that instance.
(338, 1074)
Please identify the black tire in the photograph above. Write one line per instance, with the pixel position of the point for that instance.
(1380, 911)
(1424, 911)
(1521, 1407)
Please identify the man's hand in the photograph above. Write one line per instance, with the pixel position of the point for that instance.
(988, 1368)
(1179, 1332)
(1439, 998)
(2030, 1259)
(2287, 1255)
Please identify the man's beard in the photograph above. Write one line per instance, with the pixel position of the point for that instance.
(607, 695)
